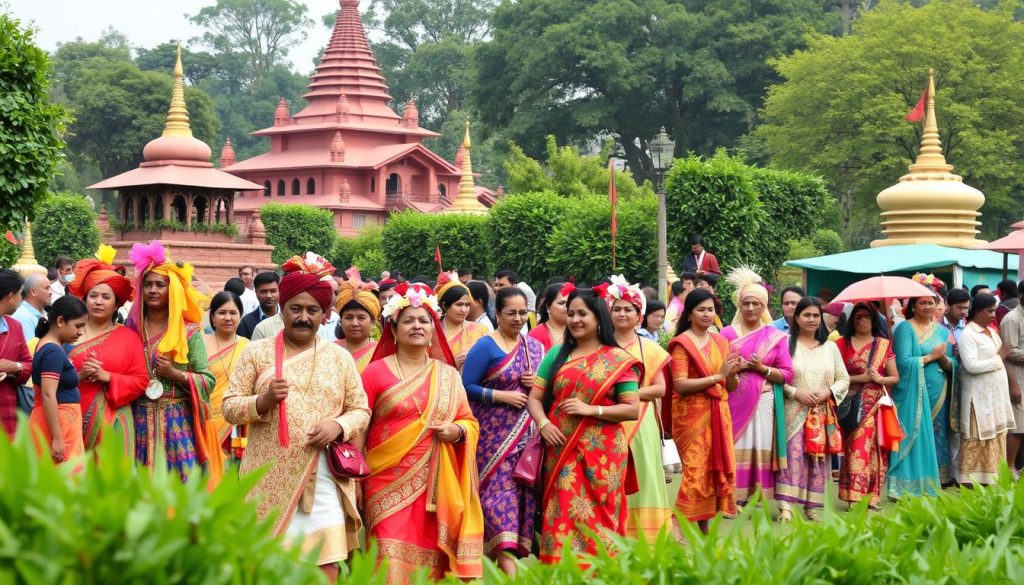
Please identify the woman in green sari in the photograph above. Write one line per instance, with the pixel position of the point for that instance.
(924, 355)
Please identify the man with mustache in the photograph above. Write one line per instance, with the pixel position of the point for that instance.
(298, 393)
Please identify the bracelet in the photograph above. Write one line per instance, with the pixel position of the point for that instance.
(543, 424)
(462, 433)
(487, 396)
(767, 372)
(600, 411)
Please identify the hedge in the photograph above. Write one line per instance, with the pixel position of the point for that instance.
(746, 214)
(116, 523)
(348, 248)
(581, 243)
(409, 239)
(65, 225)
(518, 228)
(297, 229)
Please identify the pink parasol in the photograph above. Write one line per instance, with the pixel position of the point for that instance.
(883, 288)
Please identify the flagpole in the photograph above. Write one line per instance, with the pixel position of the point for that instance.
(613, 194)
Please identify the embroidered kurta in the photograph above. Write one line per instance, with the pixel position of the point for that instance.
(120, 352)
(985, 411)
(324, 386)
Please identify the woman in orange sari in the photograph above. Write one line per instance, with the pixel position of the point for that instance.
(583, 391)
(455, 302)
(704, 371)
(109, 358)
(358, 312)
(421, 500)
(224, 346)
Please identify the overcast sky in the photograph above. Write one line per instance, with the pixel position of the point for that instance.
(146, 22)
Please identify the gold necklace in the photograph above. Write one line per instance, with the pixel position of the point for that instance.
(507, 344)
(231, 362)
(398, 366)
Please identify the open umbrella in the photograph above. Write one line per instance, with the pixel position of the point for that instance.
(880, 288)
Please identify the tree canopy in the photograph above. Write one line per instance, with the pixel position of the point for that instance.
(839, 110)
(31, 126)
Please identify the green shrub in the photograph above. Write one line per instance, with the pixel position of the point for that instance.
(65, 224)
(581, 243)
(409, 239)
(518, 228)
(9, 253)
(827, 241)
(348, 248)
(802, 248)
(116, 523)
(371, 263)
(297, 229)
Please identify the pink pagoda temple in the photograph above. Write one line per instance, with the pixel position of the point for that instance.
(348, 151)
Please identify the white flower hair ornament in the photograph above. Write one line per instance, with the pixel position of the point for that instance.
(417, 295)
(619, 289)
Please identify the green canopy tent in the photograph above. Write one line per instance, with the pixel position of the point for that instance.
(955, 266)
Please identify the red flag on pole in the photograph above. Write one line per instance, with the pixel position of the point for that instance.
(917, 114)
(613, 194)
(437, 256)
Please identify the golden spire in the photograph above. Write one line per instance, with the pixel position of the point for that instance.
(177, 114)
(929, 157)
(28, 264)
(466, 201)
(930, 204)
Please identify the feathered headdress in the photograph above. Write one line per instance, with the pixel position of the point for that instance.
(748, 283)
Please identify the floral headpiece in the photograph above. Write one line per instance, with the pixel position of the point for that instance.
(310, 264)
(415, 295)
(567, 289)
(619, 289)
(930, 280)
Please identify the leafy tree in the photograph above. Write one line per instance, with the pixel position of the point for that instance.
(297, 229)
(65, 225)
(577, 68)
(119, 109)
(840, 110)
(31, 126)
(261, 30)
(518, 227)
(568, 173)
(199, 65)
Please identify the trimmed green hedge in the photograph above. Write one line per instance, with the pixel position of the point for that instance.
(409, 239)
(297, 229)
(581, 243)
(65, 224)
(518, 230)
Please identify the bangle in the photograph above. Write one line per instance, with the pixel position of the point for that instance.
(543, 424)
(767, 372)
(462, 433)
(600, 411)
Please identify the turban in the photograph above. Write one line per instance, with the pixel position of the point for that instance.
(446, 281)
(183, 300)
(310, 274)
(366, 300)
(748, 285)
(100, 270)
(835, 309)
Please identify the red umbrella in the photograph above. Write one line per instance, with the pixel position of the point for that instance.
(882, 288)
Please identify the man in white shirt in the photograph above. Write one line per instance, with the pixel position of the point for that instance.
(65, 274)
(249, 300)
(35, 294)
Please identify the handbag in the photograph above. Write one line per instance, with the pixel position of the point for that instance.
(890, 431)
(848, 411)
(670, 459)
(345, 461)
(528, 467)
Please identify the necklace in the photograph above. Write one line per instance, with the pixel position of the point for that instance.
(702, 340)
(398, 366)
(231, 362)
(813, 345)
(109, 327)
(505, 343)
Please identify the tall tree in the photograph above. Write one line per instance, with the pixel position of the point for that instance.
(31, 126)
(840, 110)
(581, 67)
(260, 30)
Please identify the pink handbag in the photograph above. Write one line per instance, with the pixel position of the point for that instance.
(345, 461)
(528, 469)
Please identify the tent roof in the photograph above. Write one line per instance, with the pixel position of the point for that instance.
(886, 259)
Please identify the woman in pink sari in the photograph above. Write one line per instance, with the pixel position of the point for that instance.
(756, 404)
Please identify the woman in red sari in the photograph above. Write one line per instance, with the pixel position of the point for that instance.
(583, 391)
(358, 311)
(864, 464)
(109, 358)
(421, 500)
(704, 370)
(550, 329)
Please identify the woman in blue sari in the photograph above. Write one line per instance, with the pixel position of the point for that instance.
(924, 355)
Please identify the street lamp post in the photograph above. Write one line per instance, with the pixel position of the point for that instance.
(662, 150)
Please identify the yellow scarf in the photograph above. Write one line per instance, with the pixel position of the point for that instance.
(183, 307)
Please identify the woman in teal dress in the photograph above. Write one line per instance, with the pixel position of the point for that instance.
(924, 356)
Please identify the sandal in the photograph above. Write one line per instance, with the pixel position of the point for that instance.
(812, 515)
(785, 516)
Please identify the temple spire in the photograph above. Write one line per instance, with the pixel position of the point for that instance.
(466, 201)
(177, 114)
(929, 157)
(27, 263)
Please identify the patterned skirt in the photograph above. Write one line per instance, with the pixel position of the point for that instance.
(164, 428)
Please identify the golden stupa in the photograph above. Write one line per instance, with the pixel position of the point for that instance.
(930, 204)
(466, 201)
(27, 263)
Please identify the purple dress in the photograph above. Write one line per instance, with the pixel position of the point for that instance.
(508, 507)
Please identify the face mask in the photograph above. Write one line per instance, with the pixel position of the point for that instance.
(67, 278)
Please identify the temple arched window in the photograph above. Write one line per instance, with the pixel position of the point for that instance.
(179, 209)
(129, 208)
(310, 186)
(266, 188)
(158, 207)
(280, 187)
(199, 207)
(220, 210)
(144, 209)
(394, 184)
(295, 187)
(442, 190)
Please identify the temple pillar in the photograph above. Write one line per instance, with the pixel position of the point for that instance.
(150, 206)
(136, 198)
(188, 209)
(166, 200)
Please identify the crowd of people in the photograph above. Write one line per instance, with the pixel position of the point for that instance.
(452, 419)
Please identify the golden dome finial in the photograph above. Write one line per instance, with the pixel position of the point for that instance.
(177, 114)
(930, 158)
(465, 137)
